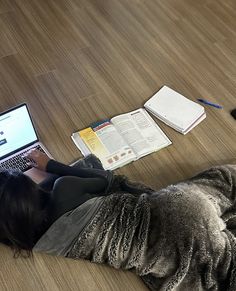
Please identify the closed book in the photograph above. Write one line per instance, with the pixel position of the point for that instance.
(175, 110)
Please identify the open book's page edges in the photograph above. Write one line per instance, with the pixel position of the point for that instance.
(80, 144)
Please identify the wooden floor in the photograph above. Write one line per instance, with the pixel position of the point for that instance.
(78, 61)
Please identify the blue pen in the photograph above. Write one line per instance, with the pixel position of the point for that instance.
(210, 103)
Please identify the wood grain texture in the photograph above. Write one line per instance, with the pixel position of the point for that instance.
(78, 61)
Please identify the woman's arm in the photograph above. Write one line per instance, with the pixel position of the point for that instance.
(64, 170)
(44, 163)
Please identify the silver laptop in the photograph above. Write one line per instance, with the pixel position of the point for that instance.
(17, 136)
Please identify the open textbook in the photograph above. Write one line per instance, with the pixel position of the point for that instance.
(175, 110)
(121, 139)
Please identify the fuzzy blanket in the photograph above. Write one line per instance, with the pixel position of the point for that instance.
(182, 237)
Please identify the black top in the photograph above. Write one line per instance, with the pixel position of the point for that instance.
(73, 186)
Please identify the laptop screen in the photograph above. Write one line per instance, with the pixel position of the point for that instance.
(16, 130)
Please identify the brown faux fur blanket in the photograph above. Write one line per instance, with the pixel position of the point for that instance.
(182, 237)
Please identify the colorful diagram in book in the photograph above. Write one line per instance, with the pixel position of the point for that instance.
(92, 141)
(105, 142)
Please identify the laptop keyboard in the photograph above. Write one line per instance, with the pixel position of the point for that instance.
(17, 162)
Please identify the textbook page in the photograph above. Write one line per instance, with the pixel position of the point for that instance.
(141, 132)
(103, 140)
(119, 152)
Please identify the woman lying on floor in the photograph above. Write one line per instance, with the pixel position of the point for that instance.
(182, 237)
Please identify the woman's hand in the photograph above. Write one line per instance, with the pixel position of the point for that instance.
(39, 159)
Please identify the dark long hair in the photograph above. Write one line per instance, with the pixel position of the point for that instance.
(22, 214)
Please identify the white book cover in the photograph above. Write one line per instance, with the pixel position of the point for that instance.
(174, 109)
